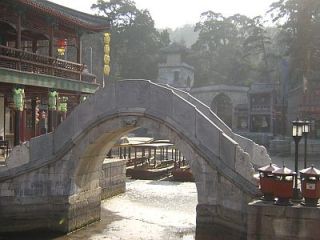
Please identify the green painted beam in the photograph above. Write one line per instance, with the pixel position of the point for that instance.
(46, 81)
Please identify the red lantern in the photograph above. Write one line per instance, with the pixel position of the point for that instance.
(62, 44)
(37, 114)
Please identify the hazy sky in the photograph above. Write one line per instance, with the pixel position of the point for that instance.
(175, 13)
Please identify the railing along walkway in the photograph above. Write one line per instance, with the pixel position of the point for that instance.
(29, 62)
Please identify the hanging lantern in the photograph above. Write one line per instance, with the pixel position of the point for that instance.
(106, 38)
(63, 104)
(37, 114)
(83, 98)
(52, 101)
(106, 49)
(106, 58)
(106, 70)
(18, 98)
(62, 45)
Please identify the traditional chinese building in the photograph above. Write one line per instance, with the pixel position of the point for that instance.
(230, 103)
(303, 103)
(42, 76)
(175, 71)
(262, 99)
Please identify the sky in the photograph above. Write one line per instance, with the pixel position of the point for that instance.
(176, 13)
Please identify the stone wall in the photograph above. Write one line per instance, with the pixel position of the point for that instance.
(28, 202)
(41, 199)
(113, 178)
(267, 221)
(238, 95)
(215, 221)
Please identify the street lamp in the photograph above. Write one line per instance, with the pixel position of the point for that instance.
(305, 131)
(297, 129)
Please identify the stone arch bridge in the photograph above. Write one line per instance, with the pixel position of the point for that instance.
(52, 182)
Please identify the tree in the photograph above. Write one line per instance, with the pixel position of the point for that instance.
(300, 23)
(135, 42)
(165, 38)
(255, 44)
(121, 12)
(224, 48)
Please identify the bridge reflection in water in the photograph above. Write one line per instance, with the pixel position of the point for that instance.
(149, 209)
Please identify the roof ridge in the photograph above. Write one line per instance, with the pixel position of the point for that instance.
(86, 20)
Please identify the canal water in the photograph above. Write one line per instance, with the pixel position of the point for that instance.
(154, 210)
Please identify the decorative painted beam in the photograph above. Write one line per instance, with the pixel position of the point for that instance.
(39, 80)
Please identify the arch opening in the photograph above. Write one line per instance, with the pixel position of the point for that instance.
(93, 148)
(214, 191)
(222, 106)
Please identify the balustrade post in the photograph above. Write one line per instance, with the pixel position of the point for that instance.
(18, 40)
(51, 41)
(34, 45)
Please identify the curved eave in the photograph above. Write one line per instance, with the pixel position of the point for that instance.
(67, 17)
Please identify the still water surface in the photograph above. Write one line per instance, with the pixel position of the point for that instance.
(148, 210)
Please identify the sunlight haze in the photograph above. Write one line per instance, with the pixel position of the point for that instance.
(176, 13)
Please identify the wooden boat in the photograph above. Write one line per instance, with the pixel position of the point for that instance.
(149, 158)
(148, 173)
(182, 174)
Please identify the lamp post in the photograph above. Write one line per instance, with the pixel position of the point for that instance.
(305, 131)
(297, 128)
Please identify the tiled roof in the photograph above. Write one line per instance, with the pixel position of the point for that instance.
(311, 171)
(284, 171)
(84, 20)
(269, 168)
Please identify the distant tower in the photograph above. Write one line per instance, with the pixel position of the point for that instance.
(174, 71)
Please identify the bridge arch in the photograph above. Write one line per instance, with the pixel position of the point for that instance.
(68, 170)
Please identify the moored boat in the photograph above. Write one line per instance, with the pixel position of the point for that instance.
(182, 174)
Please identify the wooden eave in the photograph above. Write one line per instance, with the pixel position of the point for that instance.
(42, 7)
(10, 76)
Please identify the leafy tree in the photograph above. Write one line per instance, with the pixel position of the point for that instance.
(165, 38)
(224, 50)
(255, 44)
(121, 12)
(300, 23)
(135, 42)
